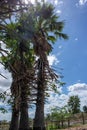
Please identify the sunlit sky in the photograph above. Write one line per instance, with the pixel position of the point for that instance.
(70, 55)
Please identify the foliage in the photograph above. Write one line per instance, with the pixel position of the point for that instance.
(33, 23)
(85, 109)
(3, 110)
(8, 7)
(31, 35)
(74, 104)
(58, 114)
(3, 96)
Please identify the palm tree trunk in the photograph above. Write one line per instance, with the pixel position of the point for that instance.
(24, 119)
(39, 123)
(15, 119)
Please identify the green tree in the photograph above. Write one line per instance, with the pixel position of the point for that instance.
(18, 62)
(85, 109)
(49, 30)
(8, 9)
(74, 104)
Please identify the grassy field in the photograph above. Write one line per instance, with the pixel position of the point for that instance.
(75, 127)
(81, 127)
(4, 127)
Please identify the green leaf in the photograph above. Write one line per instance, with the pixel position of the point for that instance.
(3, 110)
(64, 36)
(51, 38)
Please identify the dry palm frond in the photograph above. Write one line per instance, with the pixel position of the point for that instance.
(3, 76)
(7, 7)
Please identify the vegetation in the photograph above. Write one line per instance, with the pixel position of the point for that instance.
(28, 36)
(74, 104)
(85, 109)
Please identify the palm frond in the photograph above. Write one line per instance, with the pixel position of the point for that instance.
(61, 35)
(51, 38)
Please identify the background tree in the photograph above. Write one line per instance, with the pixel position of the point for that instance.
(74, 104)
(85, 109)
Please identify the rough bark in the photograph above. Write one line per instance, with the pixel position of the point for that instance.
(15, 119)
(24, 119)
(39, 123)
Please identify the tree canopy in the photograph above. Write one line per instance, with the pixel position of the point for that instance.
(74, 104)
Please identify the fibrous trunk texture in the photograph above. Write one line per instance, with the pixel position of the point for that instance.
(24, 119)
(15, 119)
(39, 123)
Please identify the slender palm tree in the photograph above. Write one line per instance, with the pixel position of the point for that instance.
(21, 60)
(16, 102)
(49, 29)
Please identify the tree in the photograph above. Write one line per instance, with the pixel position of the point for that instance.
(8, 9)
(74, 104)
(19, 63)
(48, 22)
(85, 109)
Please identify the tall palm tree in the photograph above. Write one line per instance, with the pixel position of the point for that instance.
(16, 99)
(21, 60)
(47, 23)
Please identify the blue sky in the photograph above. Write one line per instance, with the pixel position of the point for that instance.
(74, 51)
(70, 55)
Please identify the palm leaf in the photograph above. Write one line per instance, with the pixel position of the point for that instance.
(51, 38)
(61, 35)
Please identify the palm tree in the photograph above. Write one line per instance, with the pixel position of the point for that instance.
(74, 104)
(47, 22)
(21, 61)
(15, 105)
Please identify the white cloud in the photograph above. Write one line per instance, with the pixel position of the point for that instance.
(82, 2)
(4, 83)
(53, 60)
(58, 12)
(55, 2)
(6, 116)
(60, 100)
(56, 100)
(4, 86)
(60, 47)
(77, 87)
(76, 39)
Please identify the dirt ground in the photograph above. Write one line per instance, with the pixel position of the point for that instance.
(82, 127)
